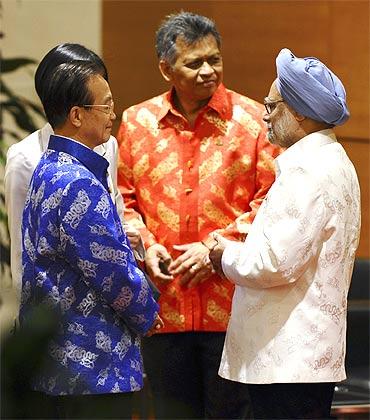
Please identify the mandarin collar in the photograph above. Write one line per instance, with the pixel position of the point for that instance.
(95, 163)
(219, 102)
(306, 145)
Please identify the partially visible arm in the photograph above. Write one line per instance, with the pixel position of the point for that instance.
(264, 177)
(18, 173)
(285, 237)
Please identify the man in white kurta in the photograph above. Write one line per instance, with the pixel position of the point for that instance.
(293, 272)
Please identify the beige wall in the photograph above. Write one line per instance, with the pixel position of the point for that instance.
(32, 27)
(253, 33)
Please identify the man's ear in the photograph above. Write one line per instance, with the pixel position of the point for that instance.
(299, 117)
(75, 116)
(166, 70)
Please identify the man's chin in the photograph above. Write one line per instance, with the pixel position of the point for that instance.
(206, 92)
(107, 135)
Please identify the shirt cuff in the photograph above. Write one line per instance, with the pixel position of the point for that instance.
(230, 258)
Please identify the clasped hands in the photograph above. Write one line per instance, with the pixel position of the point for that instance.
(193, 265)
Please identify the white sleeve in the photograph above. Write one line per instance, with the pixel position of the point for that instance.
(113, 162)
(285, 237)
(18, 173)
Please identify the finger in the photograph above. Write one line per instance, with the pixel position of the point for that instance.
(203, 274)
(156, 273)
(189, 274)
(166, 258)
(187, 260)
(183, 247)
(181, 261)
(159, 325)
(164, 278)
(186, 275)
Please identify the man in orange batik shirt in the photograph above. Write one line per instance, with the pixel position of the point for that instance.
(194, 161)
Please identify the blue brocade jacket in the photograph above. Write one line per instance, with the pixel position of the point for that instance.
(78, 261)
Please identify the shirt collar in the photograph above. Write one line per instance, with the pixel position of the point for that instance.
(95, 163)
(301, 148)
(219, 102)
(44, 134)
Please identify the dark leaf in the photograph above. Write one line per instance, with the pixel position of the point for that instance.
(12, 64)
(36, 108)
(4, 255)
(20, 114)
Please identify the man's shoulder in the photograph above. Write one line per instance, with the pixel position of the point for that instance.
(31, 146)
(154, 104)
(56, 162)
(59, 170)
(248, 104)
(28, 144)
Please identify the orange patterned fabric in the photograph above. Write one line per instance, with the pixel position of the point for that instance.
(180, 184)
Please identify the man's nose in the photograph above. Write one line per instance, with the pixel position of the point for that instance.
(113, 116)
(266, 117)
(206, 68)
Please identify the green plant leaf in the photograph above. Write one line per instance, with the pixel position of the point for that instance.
(18, 111)
(36, 108)
(11, 64)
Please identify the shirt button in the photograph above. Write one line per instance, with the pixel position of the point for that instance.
(188, 190)
(187, 218)
(190, 164)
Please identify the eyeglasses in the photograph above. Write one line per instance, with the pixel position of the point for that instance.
(271, 105)
(107, 109)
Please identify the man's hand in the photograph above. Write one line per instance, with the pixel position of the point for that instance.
(133, 235)
(216, 254)
(157, 325)
(155, 255)
(193, 264)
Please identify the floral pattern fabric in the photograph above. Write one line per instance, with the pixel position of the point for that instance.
(78, 261)
(288, 321)
(181, 183)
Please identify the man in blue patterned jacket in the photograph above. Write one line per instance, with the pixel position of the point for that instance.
(77, 259)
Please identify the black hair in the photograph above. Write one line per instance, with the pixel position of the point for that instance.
(64, 53)
(66, 88)
(189, 26)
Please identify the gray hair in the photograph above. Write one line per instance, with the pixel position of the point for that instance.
(189, 26)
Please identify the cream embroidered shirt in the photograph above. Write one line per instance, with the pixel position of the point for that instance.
(292, 274)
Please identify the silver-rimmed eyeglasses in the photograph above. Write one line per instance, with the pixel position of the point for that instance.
(271, 105)
(107, 109)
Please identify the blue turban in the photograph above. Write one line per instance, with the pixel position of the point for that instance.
(311, 89)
